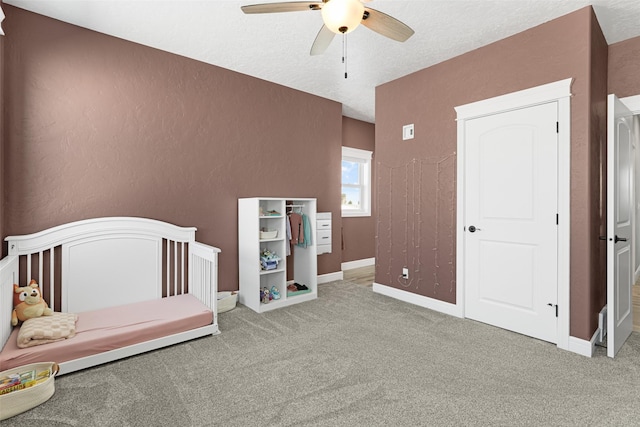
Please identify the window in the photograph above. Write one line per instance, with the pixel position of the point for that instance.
(356, 182)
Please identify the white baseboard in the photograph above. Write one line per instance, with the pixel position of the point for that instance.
(583, 347)
(419, 300)
(350, 265)
(330, 277)
(576, 345)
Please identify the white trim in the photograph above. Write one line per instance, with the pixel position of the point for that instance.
(583, 347)
(564, 221)
(419, 300)
(515, 100)
(632, 103)
(364, 158)
(357, 153)
(330, 277)
(460, 166)
(559, 92)
(359, 263)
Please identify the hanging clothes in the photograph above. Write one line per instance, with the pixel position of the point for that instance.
(305, 241)
(288, 236)
(297, 232)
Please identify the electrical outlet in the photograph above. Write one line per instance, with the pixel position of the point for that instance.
(405, 273)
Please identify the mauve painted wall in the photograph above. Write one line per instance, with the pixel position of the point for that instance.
(98, 126)
(358, 233)
(624, 68)
(417, 178)
(597, 297)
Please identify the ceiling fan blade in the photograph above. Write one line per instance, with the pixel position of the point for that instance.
(290, 6)
(322, 41)
(386, 25)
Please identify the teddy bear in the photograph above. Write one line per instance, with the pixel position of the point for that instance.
(28, 303)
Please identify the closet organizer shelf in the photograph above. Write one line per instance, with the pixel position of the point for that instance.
(252, 218)
(275, 270)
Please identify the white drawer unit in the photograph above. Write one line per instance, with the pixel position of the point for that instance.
(323, 232)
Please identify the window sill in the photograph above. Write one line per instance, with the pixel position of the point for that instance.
(347, 214)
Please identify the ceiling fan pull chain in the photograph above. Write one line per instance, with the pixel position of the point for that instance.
(344, 53)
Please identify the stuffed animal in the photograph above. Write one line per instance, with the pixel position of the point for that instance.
(265, 295)
(28, 303)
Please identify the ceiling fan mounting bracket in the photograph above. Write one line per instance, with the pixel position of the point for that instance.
(365, 15)
(315, 7)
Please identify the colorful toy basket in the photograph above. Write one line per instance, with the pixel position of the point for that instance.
(32, 385)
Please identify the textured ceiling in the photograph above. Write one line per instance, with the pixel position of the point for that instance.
(275, 47)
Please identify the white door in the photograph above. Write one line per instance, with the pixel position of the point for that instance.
(511, 233)
(619, 225)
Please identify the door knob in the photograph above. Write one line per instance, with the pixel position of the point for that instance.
(620, 239)
(473, 229)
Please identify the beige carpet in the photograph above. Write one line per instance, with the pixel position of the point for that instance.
(351, 358)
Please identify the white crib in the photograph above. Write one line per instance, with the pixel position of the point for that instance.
(101, 263)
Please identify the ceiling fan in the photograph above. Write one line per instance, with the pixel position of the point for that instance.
(340, 17)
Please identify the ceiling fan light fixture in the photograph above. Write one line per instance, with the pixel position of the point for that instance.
(342, 16)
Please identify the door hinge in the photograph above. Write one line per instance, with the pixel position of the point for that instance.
(557, 127)
(557, 219)
(554, 305)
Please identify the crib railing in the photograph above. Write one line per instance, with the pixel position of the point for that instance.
(203, 275)
(8, 276)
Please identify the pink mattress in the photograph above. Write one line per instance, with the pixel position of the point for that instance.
(111, 328)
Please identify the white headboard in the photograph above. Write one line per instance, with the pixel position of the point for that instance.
(106, 262)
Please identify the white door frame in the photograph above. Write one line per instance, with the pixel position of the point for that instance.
(633, 104)
(559, 92)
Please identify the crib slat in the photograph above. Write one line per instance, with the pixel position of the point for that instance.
(182, 269)
(52, 263)
(175, 267)
(168, 284)
(28, 278)
(40, 263)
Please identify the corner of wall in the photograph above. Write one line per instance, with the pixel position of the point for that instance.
(598, 73)
(3, 249)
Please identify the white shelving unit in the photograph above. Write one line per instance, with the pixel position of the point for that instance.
(256, 214)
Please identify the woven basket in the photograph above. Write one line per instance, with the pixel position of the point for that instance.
(268, 234)
(19, 401)
(227, 301)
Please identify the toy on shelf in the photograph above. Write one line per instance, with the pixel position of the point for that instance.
(265, 295)
(269, 260)
(275, 293)
(271, 212)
